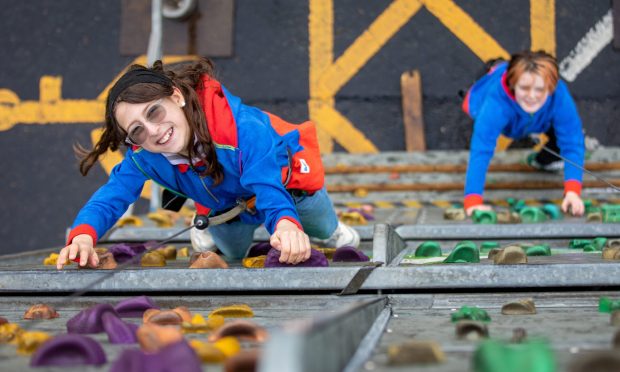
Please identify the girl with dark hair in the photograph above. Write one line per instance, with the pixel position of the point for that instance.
(516, 99)
(191, 136)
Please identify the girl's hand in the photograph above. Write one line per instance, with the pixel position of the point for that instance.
(573, 202)
(293, 244)
(480, 207)
(82, 244)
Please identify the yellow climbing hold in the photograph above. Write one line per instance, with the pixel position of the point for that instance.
(257, 262)
(130, 221)
(29, 342)
(233, 311)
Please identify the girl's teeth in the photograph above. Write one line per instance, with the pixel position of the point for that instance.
(166, 137)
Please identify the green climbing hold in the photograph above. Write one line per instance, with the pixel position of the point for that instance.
(590, 248)
(532, 215)
(497, 356)
(484, 217)
(470, 313)
(428, 249)
(464, 252)
(599, 243)
(579, 243)
(611, 212)
(515, 204)
(487, 246)
(537, 250)
(607, 305)
(553, 211)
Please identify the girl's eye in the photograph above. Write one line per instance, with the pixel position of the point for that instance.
(136, 130)
(156, 113)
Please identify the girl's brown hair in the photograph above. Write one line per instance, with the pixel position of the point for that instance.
(539, 62)
(187, 78)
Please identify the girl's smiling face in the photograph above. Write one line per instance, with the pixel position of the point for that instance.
(158, 126)
(531, 92)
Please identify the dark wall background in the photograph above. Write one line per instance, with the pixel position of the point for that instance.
(41, 189)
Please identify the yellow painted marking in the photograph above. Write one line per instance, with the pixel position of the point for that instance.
(384, 204)
(542, 24)
(466, 29)
(442, 203)
(341, 129)
(412, 204)
(384, 27)
(503, 143)
(557, 201)
(321, 56)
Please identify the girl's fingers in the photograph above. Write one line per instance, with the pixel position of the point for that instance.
(62, 258)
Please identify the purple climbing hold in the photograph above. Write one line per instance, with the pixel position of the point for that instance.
(174, 357)
(68, 350)
(89, 320)
(134, 307)
(118, 331)
(317, 259)
(259, 249)
(349, 254)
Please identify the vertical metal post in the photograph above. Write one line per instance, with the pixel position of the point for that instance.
(153, 53)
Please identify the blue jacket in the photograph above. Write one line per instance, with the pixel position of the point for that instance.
(248, 148)
(494, 110)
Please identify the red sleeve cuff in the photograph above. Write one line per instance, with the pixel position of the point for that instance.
(202, 210)
(572, 185)
(472, 200)
(293, 221)
(83, 229)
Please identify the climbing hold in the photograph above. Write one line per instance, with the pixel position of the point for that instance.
(532, 215)
(510, 255)
(470, 313)
(454, 214)
(428, 249)
(484, 217)
(496, 356)
(464, 252)
(553, 211)
(415, 352)
(471, 330)
(537, 250)
(521, 307)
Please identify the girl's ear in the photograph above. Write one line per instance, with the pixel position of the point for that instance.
(177, 97)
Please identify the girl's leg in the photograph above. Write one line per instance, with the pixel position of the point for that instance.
(319, 220)
(233, 239)
(317, 214)
(545, 158)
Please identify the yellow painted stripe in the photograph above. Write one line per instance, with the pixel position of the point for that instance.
(442, 203)
(366, 46)
(384, 204)
(50, 89)
(503, 143)
(542, 25)
(412, 203)
(466, 29)
(341, 129)
(321, 56)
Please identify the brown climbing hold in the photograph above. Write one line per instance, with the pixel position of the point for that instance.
(519, 335)
(454, 214)
(615, 318)
(207, 260)
(493, 252)
(175, 316)
(106, 261)
(40, 311)
(613, 243)
(153, 337)
(611, 253)
(415, 352)
(506, 216)
(594, 217)
(244, 361)
(153, 259)
(521, 307)
(510, 255)
(471, 330)
(243, 330)
(599, 361)
(3, 321)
